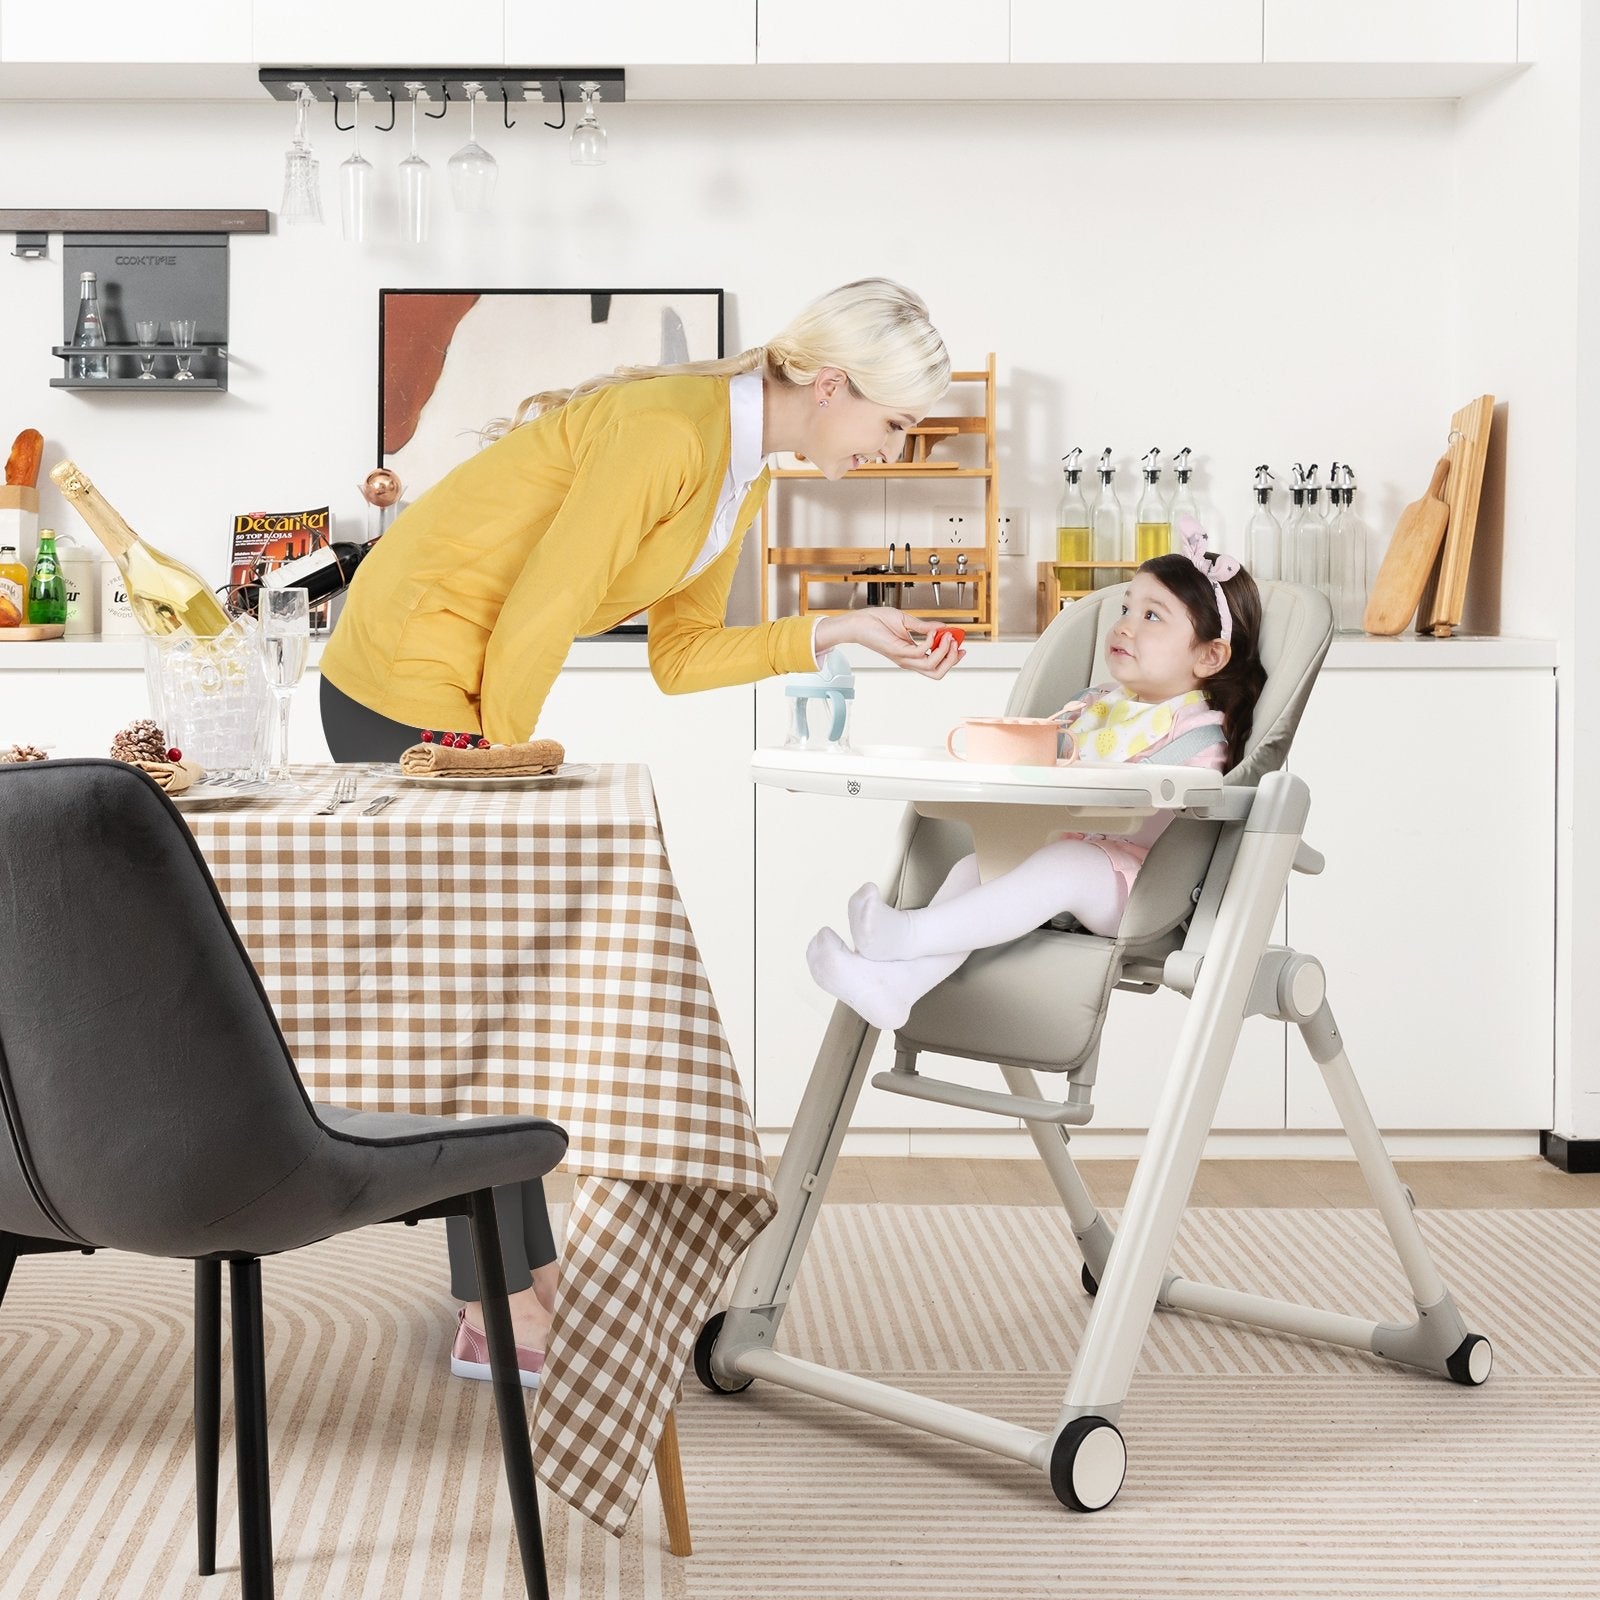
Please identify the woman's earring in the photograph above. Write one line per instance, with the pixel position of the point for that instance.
(822, 402)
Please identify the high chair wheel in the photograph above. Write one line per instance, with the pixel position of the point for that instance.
(703, 1346)
(1091, 1284)
(1088, 1464)
(1471, 1360)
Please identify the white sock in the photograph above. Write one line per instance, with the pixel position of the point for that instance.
(1067, 875)
(879, 992)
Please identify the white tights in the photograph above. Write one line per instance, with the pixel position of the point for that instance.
(900, 955)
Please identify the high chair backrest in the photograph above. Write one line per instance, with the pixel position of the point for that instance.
(1296, 630)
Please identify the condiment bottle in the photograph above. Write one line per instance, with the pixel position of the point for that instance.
(1108, 541)
(1263, 536)
(1152, 528)
(1183, 501)
(1347, 554)
(1307, 533)
(1073, 539)
(13, 588)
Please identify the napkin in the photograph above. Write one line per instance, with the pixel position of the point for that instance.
(173, 776)
(501, 760)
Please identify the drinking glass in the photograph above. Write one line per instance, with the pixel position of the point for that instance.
(472, 169)
(285, 642)
(414, 179)
(589, 138)
(183, 346)
(355, 183)
(302, 176)
(149, 333)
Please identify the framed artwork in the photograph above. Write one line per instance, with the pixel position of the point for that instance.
(452, 361)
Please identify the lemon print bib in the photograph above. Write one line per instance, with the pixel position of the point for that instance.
(1115, 727)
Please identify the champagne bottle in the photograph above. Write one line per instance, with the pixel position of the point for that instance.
(166, 596)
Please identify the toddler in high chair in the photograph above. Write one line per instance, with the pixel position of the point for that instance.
(1185, 656)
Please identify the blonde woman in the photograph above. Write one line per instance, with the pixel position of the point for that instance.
(632, 491)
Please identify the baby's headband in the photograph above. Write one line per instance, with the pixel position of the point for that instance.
(1216, 566)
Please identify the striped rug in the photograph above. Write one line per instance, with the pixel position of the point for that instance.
(1259, 1465)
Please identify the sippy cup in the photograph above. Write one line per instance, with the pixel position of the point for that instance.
(829, 689)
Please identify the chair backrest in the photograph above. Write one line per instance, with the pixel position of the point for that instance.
(144, 1083)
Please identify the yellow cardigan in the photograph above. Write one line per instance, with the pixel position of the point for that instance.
(462, 615)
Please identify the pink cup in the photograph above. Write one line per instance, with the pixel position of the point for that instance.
(1007, 741)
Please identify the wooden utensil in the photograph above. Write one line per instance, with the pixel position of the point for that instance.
(1409, 559)
(1441, 607)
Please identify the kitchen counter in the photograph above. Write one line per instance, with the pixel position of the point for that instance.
(1351, 653)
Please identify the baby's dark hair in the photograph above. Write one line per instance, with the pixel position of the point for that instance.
(1235, 689)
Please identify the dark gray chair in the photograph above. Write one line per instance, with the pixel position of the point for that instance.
(155, 1109)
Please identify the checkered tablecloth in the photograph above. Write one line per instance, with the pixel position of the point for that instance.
(524, 950)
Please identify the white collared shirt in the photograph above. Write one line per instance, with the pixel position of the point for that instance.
(746, 421)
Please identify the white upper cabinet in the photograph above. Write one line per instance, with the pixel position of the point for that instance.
(375, 33)
(1383, 31)
(1157, 32)
(626, 33)
(90, 31)
(912, 32)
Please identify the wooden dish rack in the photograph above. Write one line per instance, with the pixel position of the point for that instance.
(822, 566)
(1053, 593)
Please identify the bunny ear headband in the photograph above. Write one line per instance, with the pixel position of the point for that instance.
(1216, 566)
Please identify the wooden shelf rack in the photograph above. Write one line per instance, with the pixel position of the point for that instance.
(975, 603)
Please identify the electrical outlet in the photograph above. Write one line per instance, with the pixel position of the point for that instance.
(957, 525)
(1013, 534)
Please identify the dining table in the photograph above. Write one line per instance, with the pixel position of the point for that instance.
(504, 947)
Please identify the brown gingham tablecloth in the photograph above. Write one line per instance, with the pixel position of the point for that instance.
(470, 952)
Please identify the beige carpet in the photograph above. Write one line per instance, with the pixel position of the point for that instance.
(1259, 1465)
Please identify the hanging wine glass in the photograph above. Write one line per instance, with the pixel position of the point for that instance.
(472, 169)
(589, 138)
(355, 179)
(415, 180)
(302, 177)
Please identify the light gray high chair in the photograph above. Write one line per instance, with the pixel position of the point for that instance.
(1199, 921)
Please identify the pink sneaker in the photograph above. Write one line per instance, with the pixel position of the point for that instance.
(469, 1356)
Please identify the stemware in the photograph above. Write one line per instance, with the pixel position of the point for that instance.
(472, 169)
(285, 643)
(302, 179)
(183, 347)
(355, 180)
(414, 182)
(149, 334)
(589, 138)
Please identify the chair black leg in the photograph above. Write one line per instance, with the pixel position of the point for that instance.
(207, 1406)
(250, 1430)
(8, 1259)
(508, 1393)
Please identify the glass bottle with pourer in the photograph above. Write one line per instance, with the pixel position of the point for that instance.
(1309, 533)
(1073, 539)
(1347, 554)
(1152, 528)
(1108, 540)
(1183, 501)
(1263, 535)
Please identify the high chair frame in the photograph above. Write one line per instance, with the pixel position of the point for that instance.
(1220, 957)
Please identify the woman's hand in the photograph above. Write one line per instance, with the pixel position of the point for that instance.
(893, 635)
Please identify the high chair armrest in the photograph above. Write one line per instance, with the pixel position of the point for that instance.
(1308, 860)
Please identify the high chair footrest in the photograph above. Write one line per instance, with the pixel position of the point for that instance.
(1077, 1109)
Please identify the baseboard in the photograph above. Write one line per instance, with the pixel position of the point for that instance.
(1570, 1155)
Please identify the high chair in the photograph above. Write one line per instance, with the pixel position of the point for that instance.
(1198, 921)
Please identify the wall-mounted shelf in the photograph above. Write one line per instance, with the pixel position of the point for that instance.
(127, 356)
(851, 566)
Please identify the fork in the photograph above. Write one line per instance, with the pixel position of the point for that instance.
(344, 791)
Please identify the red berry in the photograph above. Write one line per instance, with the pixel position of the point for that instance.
(174, 754)
(483, 744)
(427, 735)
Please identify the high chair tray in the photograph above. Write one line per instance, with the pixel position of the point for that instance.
(903, 772)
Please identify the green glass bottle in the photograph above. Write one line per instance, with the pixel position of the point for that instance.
(47, 589)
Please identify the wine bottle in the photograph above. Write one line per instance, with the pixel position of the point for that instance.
(166, 596)
(323, 573)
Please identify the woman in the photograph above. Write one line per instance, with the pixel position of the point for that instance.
(630, 492)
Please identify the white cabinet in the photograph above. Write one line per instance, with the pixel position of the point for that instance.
(1433, 799)
(626, 33)
(1136, 31)
(1381, 31)
(363, 33)
(901, 31)
(90, 31)
(814, 850)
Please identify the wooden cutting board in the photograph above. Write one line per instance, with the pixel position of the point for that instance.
(1407, 563)
(32, 631)
(1441, 607)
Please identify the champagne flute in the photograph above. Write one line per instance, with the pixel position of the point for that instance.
(286, 641)
(183, 346)
(149, 334)
(355, 180)
(414, 176)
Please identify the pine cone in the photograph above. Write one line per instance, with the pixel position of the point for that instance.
(24, 752)
(140, 741)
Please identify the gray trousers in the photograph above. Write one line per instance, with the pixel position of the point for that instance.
(356, 734)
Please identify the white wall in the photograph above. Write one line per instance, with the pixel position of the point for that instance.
(1263, 282)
